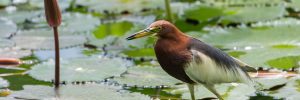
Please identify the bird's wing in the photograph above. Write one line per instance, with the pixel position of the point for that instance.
(244, 66)
(211, 65)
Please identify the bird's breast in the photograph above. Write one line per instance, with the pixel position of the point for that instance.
(173, 59)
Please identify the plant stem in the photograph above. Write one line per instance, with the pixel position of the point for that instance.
(57, 68)
(168, 10)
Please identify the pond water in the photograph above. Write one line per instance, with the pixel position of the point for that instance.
(97, 62)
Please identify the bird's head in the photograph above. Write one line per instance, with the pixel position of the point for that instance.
(161, 29)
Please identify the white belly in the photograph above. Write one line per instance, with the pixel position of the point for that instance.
(207, 71)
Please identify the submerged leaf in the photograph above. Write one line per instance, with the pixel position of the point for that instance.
(146, 76)
(77, 92)
(81, 69)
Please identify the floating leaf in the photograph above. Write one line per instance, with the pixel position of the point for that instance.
(63, 4)
(246, 38)
(4, 43)
(72, 22)
(14, 53)
(115, 29)
(228, 92)
(288, 92)
(43, 39)
(262, 57)
(286, 62)
(75, 52)
(5, 2)
(20, 16)
(77, 92)
(81, 69)
(3, 83)
(146, 76)
(203, 13)
(18, 81)
(7, 28)
(121, 5)
(253, 14)
(140, 52)
(268, 83)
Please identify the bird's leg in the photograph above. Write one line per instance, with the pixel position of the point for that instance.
(192, 91)
(212, 89)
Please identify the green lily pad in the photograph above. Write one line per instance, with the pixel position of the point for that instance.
(6, 43)
(7, 27)
(253, 14)
(146, 76)
(115, 29)
(20, 16)
(66, 53)
(81, 69)
(227, 91)
(72, 22)
(285, 62)
(77, 92)
(288, 92)
(294, 4)
(203, 12)
(18, 81)
(63, 4)
(264, 57)
(118, 6)
(140, 52)
(246, 38)
(5, 2)
(44, 39)
(268, 83)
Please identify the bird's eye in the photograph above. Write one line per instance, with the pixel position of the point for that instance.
(159, 28)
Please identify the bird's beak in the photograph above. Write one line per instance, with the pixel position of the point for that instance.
(145, 32)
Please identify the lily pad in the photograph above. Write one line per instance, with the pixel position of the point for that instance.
(118, 6)
(246, 38)
(7, 27)
(115, 29)
(14, 53)
(146, 76)
(285, 62)
(253, 14)
(44, 39)
(268, 83)
(6, 43)
(5, 2)
(227, 91)
(81, 69)
(75, 52)
(265, 57)
(20, 16)
(77, 92)
(288, 92)
(3, 83)
(72, 22)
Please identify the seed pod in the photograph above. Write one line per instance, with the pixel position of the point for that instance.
(52, 11)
